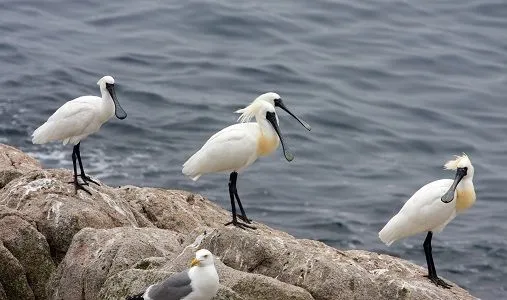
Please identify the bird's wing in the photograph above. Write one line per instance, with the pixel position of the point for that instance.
(74, 118)
(75, 107)
(232, 148)
(424, 211)
(232, 132)
(425, 205)
(175, 287)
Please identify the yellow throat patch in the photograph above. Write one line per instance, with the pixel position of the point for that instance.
(266, 145)
(465, 199)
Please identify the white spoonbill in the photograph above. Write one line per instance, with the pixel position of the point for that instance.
(77, 119)
(236, 147)
(431, 208)
(200, 282)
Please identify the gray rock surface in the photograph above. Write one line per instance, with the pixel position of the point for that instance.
(56, 244)
(25, 261)
(14, 163)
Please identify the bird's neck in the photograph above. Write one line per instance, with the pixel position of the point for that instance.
(266, 128)
(465, 195)
(267, 141)
(208, 274)
(107, 105)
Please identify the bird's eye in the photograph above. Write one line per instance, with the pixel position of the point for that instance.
(206, 256)
(463, 170)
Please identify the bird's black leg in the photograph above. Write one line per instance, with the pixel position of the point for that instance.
(85, 178)
(234, 178)
(77, 185)
(432, 272)
(232, 187)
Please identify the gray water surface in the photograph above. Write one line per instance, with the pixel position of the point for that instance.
(392, 90)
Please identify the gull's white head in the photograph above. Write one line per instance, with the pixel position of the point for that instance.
(251, 110)
(203, 258)
(461, 162)
(105, 80)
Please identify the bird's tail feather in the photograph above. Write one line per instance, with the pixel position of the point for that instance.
(190, 167)
(48, 133)
(41, 134)
(392, 231)
(136, 297)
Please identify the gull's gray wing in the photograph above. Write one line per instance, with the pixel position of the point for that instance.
(173, 288)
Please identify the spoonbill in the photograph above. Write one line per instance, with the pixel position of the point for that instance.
(200, 282)
(236, 147)
(431, 208)
(77, 119)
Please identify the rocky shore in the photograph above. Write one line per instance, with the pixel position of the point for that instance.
(55, 244)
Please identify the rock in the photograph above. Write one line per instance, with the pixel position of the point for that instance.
(325, 272)
(25, 261)
(235, 284)
(97, 254)
(175, 210)
(117, 242)
(260, 287)
(47, 198)
(3, 295)
(130, 282)
(14, 281)
(14, 163)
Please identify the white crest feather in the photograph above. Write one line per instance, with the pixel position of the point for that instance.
(453, 164)
(249, 112)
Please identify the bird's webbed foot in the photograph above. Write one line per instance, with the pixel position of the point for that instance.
(439, 282)
(87, 179)
(240, 225)
(79, 186)
(244, 219)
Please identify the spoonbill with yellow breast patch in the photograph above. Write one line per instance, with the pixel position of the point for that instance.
(236, 147)
(431, 208)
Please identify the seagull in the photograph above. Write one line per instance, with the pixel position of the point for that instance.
(236, 147)
(200, 282)
(431, 208)
(77, 119)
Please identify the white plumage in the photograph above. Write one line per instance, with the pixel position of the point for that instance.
(231, 149)
(236, 147)
(78, 118)
(431, 208)
(421, 213)
(72, 122)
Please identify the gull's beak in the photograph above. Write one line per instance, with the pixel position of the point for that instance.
(279, 103)
(118, 111)
(449, 195)
(271, 117)
(195, 262)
